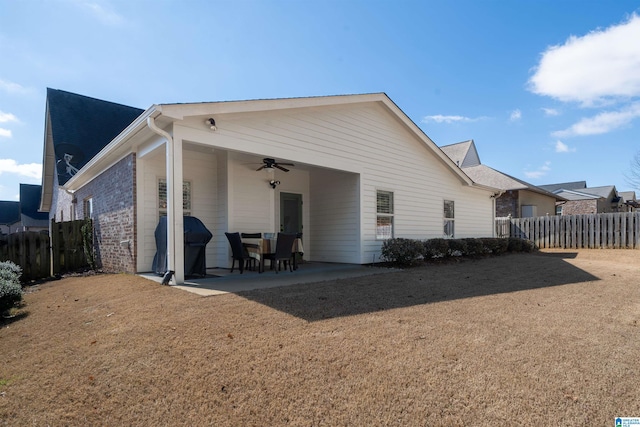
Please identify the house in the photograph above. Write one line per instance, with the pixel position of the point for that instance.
(9, 216)
(24, 214)
(518, 199)
(581, 199)
(629, 200)
(348, 171)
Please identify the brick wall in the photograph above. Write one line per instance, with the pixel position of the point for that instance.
(580, 207)
(114, 198)
(507, 204)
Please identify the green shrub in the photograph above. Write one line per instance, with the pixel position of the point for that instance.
(475, 247)
(10, 288)
(458, 247)
(435, 248)
(10, 271)
(495, 245)
(403, 252)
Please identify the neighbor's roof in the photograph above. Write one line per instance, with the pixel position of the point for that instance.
(29, 205)
(464, 154)
(628, 195)
(488, 176)
(82, 126)
(576, 185)
(9, 212)
(577, 195)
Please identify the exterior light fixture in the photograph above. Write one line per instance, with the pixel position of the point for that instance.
(211, 123)
(274, 183)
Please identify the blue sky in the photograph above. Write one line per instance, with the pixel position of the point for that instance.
(549, 90)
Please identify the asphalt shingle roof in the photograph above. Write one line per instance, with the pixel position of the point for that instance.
(9, 212)
(82, 126)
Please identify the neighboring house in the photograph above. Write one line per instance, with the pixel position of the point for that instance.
(581, 199)
(9, 216)
(629, 200)
(518, 198)
(24, 215)
(362, 172)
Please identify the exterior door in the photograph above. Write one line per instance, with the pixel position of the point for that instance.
(290, 213)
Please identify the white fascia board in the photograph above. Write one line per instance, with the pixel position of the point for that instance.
(180, 111)
(111, 153)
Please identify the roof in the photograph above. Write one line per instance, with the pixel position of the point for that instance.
(9, 212)
(464, 154)
(488, 176)
(604, 191)
(81, 126)
(29, 205)
(166, 114)
(576, 185)
(577, 195)
(628, 195)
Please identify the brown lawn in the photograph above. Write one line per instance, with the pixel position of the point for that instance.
(533, 339)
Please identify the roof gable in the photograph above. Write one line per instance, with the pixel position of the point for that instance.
(576, 185)
(464, 154)
(81, 126)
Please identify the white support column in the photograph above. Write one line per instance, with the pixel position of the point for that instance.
(178, 210)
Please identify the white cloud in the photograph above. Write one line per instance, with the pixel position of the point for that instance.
(28, 170)
(595, 68)
(540, 172)
(602, 123)
(561, 147)
(11, 87)
(439, 118)
(5, 133)
(551, 112)
(103, 11)
(515, 115)
(7, 117)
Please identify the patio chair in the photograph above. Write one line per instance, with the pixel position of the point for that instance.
(252, 253)
(283, 252)
(237, 251)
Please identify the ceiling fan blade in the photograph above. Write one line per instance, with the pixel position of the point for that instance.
(261, 167)
(281, 168)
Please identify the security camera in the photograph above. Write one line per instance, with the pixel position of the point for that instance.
(212, 124)
(273, 183)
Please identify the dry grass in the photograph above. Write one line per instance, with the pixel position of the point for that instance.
(543, 339)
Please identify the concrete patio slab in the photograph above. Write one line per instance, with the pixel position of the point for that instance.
(221, 281)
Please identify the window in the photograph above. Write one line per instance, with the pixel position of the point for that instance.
(449, 219)
(162, 197)
(558, 209)
(384, 224)
(88, 207)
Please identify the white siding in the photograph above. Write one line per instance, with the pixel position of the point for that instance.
(200, 170)
(364, 139)
(335, 217)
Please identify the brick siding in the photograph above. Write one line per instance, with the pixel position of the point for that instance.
(114, 215)
(507, 204)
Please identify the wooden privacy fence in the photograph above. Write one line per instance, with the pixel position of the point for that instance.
(67, 245)
(32, 250)
(608, 230)
(29, 250)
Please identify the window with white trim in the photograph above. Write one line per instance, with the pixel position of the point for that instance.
(162, 197)
(87, 207)
(384, 221)
(449, 219)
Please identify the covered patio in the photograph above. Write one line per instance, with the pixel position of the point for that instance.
(220, 281)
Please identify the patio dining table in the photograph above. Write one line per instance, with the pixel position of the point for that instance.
(258, 247)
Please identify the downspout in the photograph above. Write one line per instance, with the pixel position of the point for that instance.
(171, 243)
